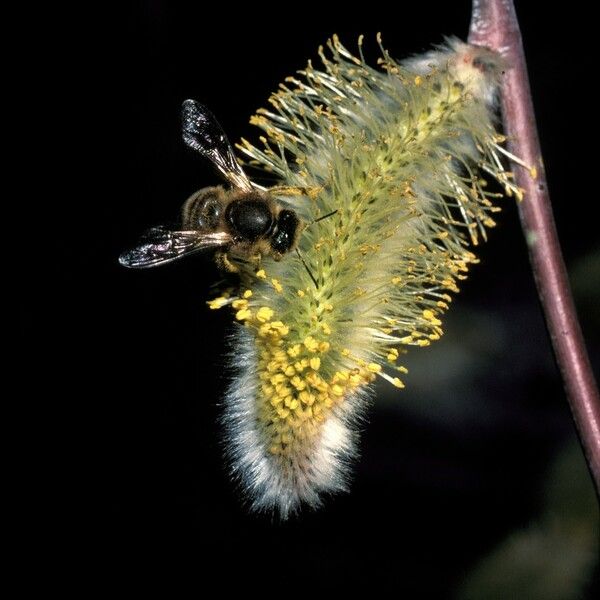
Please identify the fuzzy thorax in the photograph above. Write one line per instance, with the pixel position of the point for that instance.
(399, 153)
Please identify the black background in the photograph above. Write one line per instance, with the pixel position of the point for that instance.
(434, 490)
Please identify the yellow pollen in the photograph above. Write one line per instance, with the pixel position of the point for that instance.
(282, 390)
(317, 382)
(273, 366)
(243, 314)
(298, 383)
(217, 303)
(374, 367)
(278, 287)
(294, 350)
(337, 390)
(237, 304)
(301, 293)
(264, 314)
(396, 280)
(311, 344)
(397, 382)
(324, 346)
(261, 274)
(315, 363)
(355, 379)
(306, 398)
(247, 294)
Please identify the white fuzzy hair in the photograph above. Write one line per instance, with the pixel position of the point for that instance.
(271, 482)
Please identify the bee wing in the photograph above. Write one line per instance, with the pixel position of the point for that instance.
(160, 245)
(202, 132)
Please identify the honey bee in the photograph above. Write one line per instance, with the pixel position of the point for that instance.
(244, 221)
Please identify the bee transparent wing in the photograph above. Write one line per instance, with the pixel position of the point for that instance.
(202, 132)
(160, 245)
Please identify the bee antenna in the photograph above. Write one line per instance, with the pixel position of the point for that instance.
(324, 216)
(300, 255)
(307, 269)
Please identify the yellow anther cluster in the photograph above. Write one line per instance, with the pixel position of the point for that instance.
(219, 302)
(392, 355)
(430, 316)
(264, 314)
(296, 391)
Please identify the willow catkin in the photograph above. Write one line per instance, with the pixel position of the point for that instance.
(399, 152)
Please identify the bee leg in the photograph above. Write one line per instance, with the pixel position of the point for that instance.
(224, 263)
(255, 260)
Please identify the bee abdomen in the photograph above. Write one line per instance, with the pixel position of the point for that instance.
(202, 210)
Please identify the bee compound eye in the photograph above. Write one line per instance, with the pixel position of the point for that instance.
(286, 232)
(251, 219)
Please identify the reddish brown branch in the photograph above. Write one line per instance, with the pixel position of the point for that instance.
(494, 24)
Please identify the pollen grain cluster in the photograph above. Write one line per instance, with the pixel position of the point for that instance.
(298, 387)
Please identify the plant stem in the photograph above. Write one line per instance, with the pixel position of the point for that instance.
(494, 25)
